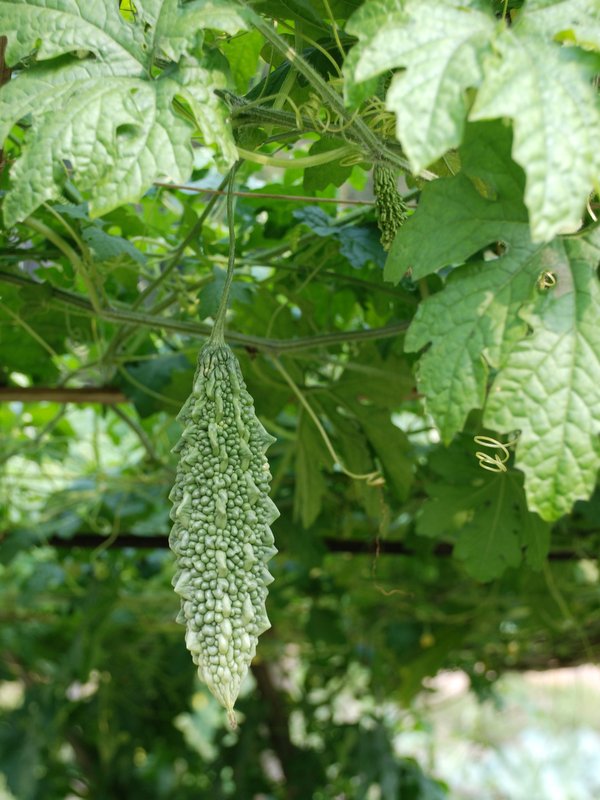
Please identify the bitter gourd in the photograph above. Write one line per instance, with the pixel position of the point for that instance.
(391, 208)
(221, 514)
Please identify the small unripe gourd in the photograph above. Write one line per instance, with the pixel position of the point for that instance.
(391, 208)
(222, 514)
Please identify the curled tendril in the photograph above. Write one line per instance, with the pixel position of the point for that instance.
(378, 118)
(352, 160)
(321, 117)
(547, 280)
(296, 112)
(496, 462)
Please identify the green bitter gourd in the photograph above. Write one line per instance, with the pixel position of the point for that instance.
(221, 515)
(391, 208)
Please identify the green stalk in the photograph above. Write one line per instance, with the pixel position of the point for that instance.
(76, 304)
(299, 163)
(175, 258)
(373, 145)
(78, 266)
(217, 336)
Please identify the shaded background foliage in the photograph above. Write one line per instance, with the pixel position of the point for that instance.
(376, 587)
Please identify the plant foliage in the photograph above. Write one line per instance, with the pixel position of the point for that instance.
(400, 553)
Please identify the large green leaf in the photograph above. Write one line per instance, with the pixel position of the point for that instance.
(117, 130)
(452, 53)
(573, 21)
(480, 204)
(474, 321)
(549, 387)
(391, 445)
(440, 46)
(471, 325)
(546, 382)
(555, 124)
(486, 513)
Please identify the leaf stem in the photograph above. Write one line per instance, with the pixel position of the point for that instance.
(299, 163)
(125, 334)
(268, 195)
(372, 478)
(190, 236)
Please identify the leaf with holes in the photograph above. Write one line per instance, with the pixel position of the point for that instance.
(549, 387)
(555, 123)
(474, 321)
(130, 94)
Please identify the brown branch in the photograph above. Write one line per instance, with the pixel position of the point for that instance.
(104, 395)
(332, 544)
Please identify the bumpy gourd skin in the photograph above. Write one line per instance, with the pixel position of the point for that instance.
(391, 208)
(221, 514)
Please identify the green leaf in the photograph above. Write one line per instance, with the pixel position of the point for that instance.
(486, 512)
(391, 445)
(477, 324)
(371, 387)
(554, 121)
(210, 296)
(330, 174)
(177, 25)
(118, 130)
(472, 323)
(242, 53)
(489, 541)
(535, 538)
(106, 247)
(310, 483)
(572, 21)
(31, 329)
(483, 202)
(441, 47)
(358, 243)
(453, 52)
(386, 381)
(160, 382)
(549, 387)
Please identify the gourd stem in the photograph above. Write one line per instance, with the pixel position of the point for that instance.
(217, 335)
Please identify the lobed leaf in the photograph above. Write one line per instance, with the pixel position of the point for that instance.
(118, 129)
(454, 62)
(572, 21)
(474, 321)
(487, 513)
(440, 46)
(554, 123)
(549, 386)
